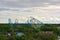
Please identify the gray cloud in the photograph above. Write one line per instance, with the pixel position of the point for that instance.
(41, 8)
(8, 9)
(28, 3)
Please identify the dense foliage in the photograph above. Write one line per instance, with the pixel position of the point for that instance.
(29, 32)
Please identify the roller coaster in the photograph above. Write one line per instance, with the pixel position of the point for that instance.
(33, 21)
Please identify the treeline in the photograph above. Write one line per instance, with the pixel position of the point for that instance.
(29, 32)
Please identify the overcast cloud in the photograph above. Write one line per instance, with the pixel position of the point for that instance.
(47, 11)
(28, 3)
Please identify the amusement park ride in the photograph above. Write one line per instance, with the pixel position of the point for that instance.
(34, 22)
(31, 21)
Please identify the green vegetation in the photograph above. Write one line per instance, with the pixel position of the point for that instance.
(29, 32)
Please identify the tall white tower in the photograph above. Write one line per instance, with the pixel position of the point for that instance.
(10, 22)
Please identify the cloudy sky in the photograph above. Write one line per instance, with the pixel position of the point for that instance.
(47, 11)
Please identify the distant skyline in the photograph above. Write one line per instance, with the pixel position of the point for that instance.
(47, 11)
